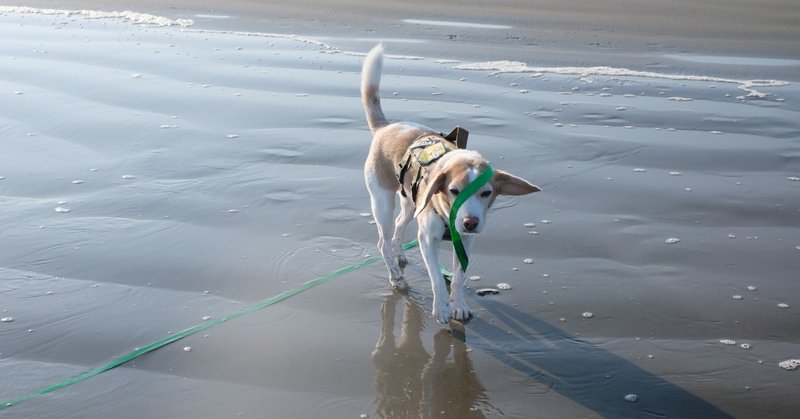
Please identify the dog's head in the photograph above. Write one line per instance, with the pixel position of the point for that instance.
(453, 173)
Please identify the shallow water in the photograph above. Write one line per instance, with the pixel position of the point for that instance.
(219, 169)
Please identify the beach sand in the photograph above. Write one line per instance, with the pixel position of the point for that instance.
(153, 178)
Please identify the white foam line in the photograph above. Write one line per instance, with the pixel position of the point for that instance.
(519, 67)
(455, 24)
(135, 17)
(213, 16)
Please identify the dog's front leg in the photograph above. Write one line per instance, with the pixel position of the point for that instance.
(431, 229)
(460, 310)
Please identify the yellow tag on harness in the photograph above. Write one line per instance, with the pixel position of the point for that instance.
(430, 153)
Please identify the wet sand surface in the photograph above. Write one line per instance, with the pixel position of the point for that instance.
(153, 178)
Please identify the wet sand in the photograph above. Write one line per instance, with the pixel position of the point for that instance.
(154, 177)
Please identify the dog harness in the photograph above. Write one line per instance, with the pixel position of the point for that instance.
(425, 150)
(419, 156)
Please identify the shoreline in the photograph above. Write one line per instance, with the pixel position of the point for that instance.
(730, 45)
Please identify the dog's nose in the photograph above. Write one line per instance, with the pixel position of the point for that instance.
(471, 223)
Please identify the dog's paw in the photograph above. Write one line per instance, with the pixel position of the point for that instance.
(399, 284)
(460, 311)
(442, 312)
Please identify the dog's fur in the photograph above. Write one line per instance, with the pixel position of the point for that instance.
(446, 177)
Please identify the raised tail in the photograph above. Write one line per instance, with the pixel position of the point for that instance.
(370, 88)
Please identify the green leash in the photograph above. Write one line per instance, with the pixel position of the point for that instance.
(470, 190)
(458, 246)
(192, 330)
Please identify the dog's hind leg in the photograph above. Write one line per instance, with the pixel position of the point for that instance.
(382, 203)
(405, 216)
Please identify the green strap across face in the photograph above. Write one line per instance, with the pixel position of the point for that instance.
(462, 197)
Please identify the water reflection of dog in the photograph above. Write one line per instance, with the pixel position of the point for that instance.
(411, 383)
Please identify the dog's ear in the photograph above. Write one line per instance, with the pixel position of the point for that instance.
(436, 185)
(505, 183)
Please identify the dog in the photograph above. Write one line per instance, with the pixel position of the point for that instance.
(427, 171)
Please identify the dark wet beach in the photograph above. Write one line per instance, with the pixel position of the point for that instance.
(153, 178)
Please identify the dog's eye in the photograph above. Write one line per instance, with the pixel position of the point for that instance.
(454, 191)
(486, 194)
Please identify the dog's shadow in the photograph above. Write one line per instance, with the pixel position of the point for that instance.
(411, 382)
(578, 370)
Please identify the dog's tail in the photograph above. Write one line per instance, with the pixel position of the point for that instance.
(370, 86)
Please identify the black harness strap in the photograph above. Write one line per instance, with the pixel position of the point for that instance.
(403, 169)
(415, 185)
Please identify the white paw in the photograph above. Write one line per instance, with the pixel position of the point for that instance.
(441, 312)
(461, 311)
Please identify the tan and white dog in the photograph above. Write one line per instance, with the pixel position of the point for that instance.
(405, 158)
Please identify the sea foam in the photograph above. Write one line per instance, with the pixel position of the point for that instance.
(135, 17)
(504, 66)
